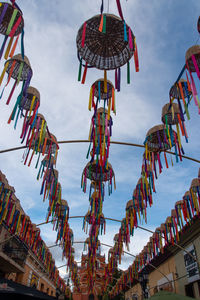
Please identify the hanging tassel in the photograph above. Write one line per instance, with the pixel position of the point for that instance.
(3, 73)
(22, 43)
(14, 47)
(130, 39)
(3, 46)
(101, 24)
(104, 24)
(166, 160)
(105, 81)
(128, 72)
(90, 100)
(80, 70)
(84, 73)
(136, 58)
(118, 79)
(83, 35)
(8, 48)
(11, 93)
(125, 33)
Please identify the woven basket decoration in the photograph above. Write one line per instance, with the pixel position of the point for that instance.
(99, 136)
(195, 185)
(36, 122)
(182, 90)
(139, 203)
(102, 89)
(63, 212)
(192, 58)
(31, 100)
(172, 115)
(147, 174)
(49, 184)
(46, 163)
(144, 190)
(11, 26)
(106, 47)
(46, 145)
(104, 50)
(20, 70)
(91, 219)
(27, 104)
(190, 203)
(95, 172)
(157, 140)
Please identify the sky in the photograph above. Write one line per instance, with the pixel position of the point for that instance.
(164, 31)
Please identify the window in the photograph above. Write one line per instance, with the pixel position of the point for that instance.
(189, 291)
(42, 287)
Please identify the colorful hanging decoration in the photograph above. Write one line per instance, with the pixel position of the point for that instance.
(95, 172)
(100, 134)
(19, 69)
(26, 106)
(41, 142)
(192, 60)
(172, 114)
(102, 89)
(198, 25)
(95, 220)
(131, 216)
(159, 139)
(11, 26)
(181, 91)
(106, 42)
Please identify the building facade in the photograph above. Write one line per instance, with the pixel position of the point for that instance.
(174, 270)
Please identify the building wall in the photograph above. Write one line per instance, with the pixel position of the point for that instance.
(182, 272)
(135, 290)
(158, 281)
(31, 266)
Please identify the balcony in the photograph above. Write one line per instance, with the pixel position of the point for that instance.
(13, 253)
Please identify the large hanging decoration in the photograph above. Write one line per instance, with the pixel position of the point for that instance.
(19, 69)
(106, 42)
(102, 90)
(11, 26)
(26, 106)
(172, 115)
(160, 139)
(100, 133)
(182, 92)
(95, 172)
(192, 60)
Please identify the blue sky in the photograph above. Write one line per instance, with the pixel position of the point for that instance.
(164, 30)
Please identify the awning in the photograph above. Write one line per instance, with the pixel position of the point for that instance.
(8, 287)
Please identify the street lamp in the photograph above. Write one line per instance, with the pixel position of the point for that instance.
(143, 279)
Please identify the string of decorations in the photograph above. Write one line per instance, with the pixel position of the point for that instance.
(104, 42)
(159, 139)
(185, 212)
(19, 224)
(35, 132)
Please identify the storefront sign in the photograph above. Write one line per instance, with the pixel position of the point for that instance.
(191, 265)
